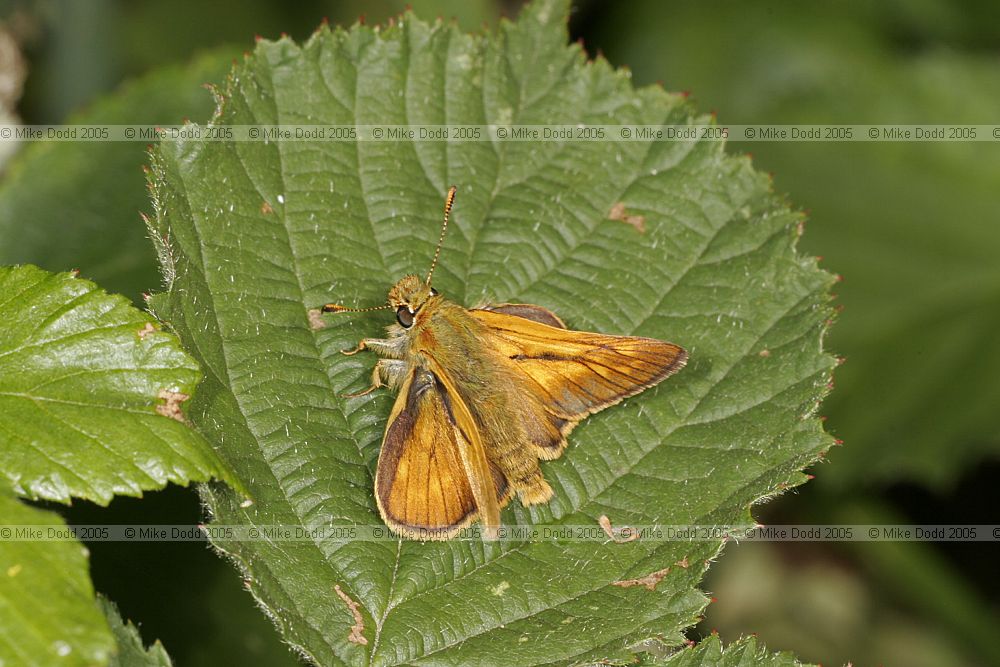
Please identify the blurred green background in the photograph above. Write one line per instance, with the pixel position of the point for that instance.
(914, 229)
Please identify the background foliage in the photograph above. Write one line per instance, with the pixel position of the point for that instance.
(910, 226)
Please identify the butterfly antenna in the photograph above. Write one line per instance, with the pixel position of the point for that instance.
(337, 308)
(444, 228)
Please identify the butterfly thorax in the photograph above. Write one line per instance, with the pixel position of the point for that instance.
(446, 332)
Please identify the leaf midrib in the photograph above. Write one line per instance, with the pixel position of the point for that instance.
(499, 154)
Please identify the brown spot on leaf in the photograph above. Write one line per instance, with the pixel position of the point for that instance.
(618, 212)
(266, 209)
(649, 581)
(356, 635)
(764, 353)
(316, 319)
(618, 535)
(146, 330)
(171, 406)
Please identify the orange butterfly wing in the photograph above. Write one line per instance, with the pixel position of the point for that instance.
(431, 479)
(571, 374)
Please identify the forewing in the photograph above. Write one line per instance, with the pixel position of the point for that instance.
(422, 482)
(489, 488)
(573, 373)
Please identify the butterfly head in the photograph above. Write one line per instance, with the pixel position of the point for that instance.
(408, 296)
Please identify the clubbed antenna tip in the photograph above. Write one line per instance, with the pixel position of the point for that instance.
(449, 200)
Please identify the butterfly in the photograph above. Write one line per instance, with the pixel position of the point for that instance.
(484, 394)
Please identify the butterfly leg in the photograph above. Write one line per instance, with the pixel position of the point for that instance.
(349, 353)
(394, 348)
(387, 373)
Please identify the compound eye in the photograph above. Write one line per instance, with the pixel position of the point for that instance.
(404, 316)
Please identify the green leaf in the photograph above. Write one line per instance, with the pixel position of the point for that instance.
(88, 386)
(76, 204)
(259, 233)
(710, 653)
(130, 650)
(48, 614)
